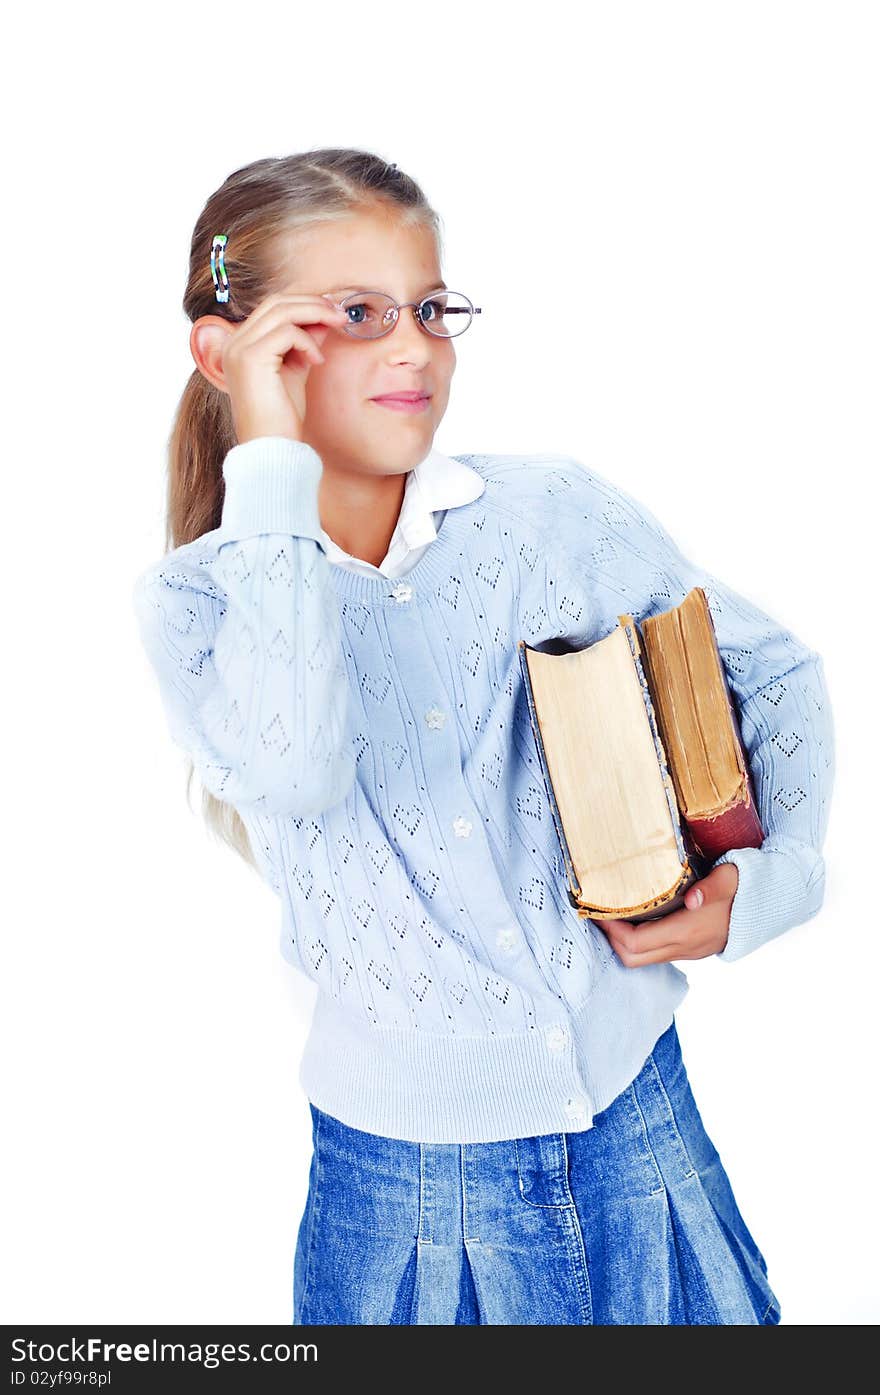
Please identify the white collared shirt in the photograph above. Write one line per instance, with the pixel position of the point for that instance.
(436, 484)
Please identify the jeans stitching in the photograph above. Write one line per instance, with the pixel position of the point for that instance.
(469, 1163)
(577, 1255)
(690, 1170)
(423, 1235)
(650, 1155)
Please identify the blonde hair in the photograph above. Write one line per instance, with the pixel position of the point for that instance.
(258, 207)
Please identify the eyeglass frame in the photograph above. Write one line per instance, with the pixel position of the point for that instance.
(415, 306)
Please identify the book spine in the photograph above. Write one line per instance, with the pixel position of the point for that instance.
(745, 821)
(738, 827)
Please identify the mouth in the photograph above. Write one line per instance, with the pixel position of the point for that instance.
(403, 401)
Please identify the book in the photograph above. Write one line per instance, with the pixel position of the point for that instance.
(639, 743)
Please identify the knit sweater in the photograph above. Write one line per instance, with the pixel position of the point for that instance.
(374, 737)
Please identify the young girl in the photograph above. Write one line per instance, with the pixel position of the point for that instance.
(503, 1128)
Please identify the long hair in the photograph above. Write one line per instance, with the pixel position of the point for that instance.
(258, 207)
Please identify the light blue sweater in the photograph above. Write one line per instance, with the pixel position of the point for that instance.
(374, 736)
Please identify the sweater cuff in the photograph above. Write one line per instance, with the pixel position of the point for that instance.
(271, 486)
(779, 887)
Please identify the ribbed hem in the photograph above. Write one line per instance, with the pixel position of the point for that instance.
(778, 888)
(431, 1088)
(271, 487)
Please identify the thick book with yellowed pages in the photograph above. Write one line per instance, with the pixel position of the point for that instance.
(641, 752)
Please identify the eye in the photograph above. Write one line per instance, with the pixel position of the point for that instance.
(432, 310)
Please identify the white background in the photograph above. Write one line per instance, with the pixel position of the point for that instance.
(686, 194)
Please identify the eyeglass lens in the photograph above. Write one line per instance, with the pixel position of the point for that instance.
(371, 314)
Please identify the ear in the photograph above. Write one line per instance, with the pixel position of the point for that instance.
(207, 340)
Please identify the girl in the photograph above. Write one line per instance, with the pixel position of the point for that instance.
(503, 1128)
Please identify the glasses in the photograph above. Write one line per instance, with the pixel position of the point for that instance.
(441, 313)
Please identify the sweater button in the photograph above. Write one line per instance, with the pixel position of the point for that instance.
(507, 939)
(435, 718)
(556, 1038)
(576, 1111)
(402, 591)
(462, 827)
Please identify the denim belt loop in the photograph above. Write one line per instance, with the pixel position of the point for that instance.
(440, 1193)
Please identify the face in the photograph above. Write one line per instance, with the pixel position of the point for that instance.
(349, 431)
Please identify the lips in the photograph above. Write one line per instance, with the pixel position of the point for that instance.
(403, 397)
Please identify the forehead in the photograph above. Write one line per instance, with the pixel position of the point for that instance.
(364, 250)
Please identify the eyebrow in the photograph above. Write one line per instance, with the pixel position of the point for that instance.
(434, 286)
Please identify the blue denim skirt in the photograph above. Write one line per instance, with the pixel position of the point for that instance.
(632, 1221)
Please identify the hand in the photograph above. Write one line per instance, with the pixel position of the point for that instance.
(699, 929)
(267, 359)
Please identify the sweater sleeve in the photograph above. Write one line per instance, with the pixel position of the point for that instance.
(242, 629)
(628, 563)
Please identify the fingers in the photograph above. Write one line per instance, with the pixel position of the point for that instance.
(303, 309)
(286, 337)
(277, 326)
(682, 934)
(641, 938)
(635, 944)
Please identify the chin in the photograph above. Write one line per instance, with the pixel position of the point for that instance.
(406, 439)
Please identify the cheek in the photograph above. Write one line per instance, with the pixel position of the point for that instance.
(442, 369)
(333, 387)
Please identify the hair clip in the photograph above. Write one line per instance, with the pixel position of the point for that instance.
(219, 242)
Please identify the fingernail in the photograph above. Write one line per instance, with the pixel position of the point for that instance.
(698, 897)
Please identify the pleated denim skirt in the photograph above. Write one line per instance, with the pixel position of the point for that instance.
(632, 1221)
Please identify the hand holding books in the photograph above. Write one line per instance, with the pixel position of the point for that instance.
(640, 749)
(695, 932)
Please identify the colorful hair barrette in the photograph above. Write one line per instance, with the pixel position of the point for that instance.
(219, 243)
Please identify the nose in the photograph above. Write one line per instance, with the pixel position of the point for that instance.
(408, 340)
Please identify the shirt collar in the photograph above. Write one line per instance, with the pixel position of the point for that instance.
(437, 483)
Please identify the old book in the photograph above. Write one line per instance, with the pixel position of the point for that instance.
(640, 748)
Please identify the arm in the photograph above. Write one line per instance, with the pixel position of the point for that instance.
(242, 629)
(778, 682)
